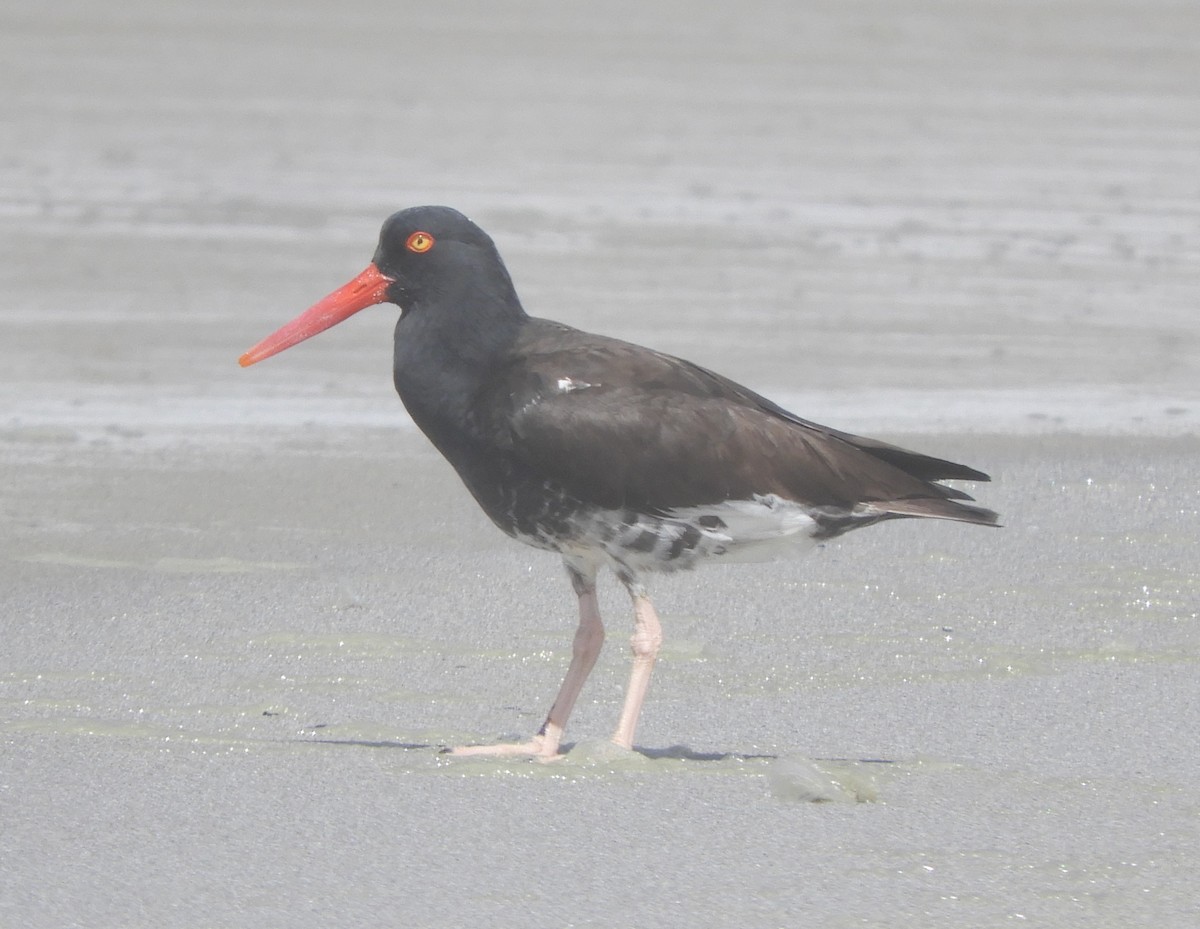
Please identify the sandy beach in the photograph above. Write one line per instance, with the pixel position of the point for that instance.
(242, 610)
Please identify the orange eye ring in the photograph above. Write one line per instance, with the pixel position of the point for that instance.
(419, 242)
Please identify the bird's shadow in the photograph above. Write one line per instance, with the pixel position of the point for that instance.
(671, 752)
(674, 752)
(375, 743)
(685, 753)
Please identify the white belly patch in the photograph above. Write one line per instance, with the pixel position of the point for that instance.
(736, 530)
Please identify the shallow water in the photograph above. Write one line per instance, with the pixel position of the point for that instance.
(243, 610)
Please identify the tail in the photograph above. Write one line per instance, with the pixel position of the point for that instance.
(918, 494)
(943, 502)
(939, 508)
(833, 521)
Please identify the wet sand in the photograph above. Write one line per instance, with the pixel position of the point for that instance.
(242, 610)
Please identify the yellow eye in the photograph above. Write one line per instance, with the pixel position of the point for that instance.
(419, 242)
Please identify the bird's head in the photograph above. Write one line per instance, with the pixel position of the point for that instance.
(424, 253)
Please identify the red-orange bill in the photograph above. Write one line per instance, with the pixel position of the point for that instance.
(366, 290)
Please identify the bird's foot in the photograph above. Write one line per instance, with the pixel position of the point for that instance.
(542, 746)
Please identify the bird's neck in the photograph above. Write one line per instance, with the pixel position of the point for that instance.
(446, 351)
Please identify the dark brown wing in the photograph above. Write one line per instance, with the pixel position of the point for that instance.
(621, 425)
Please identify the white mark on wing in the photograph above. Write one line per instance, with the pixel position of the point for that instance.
(566, 384)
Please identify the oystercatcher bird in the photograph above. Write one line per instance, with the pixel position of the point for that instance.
(610, 454)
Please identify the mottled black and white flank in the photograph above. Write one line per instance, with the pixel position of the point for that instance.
(616, 455)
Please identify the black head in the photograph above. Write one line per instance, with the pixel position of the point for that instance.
(428, 257)
(429, 252)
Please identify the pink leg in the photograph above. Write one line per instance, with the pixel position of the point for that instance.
(589, 638)
(647, 638)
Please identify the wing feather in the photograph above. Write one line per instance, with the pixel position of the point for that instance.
(624, 426)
